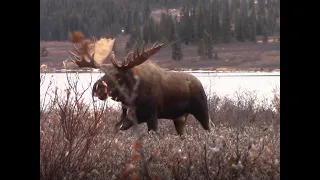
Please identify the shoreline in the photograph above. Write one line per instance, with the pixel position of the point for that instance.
(193, 70)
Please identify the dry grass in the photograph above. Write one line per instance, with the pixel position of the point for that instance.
(80, 143)
(236, 55)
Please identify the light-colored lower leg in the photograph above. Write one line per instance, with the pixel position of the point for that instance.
(180, 124)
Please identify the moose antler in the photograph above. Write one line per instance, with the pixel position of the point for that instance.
(135, 58)
(92, 54)
(79, 58)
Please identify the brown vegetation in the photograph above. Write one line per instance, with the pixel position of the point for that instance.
(78, 142)
(238, 56)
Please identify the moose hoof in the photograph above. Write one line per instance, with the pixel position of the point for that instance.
(152, 132)
(183, 137)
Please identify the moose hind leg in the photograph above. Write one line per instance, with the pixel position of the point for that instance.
(180, 124)
(152, 122)
(199, 109)
(202, 115)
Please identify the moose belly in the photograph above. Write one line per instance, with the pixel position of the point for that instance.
(173, 110)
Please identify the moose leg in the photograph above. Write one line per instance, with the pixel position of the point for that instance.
(124, 122)
(122, 117)
(204, 120)
(152, 122)
(180, 124)
(200, 111)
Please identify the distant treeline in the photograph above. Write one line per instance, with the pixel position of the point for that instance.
(221, 20)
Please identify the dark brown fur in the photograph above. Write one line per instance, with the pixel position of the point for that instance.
(161, 95)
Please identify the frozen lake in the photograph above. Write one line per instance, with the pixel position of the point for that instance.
(220, 83)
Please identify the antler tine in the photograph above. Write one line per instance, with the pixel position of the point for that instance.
(76, 49)
(136, 54)
(139, 58)
(71, 59)
(143, 46)
(79, 58)
(76, 56)
(154, 44)
(127, 59)
(130, 57)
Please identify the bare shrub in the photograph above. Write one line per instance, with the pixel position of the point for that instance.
(43, 52)
(79, 142)
(276, 99)
(246, 109)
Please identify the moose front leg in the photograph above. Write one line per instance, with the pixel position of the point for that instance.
(124, 122)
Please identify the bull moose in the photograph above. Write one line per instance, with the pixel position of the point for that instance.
(160, 94)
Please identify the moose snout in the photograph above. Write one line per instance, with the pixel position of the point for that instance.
(101, 92)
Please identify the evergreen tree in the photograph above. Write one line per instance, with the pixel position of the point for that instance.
(226, 30)
(265, 34)
(153, 30)
(216, 21)
(135, 37)
(166, 25)
(146, 32)
(109, 17)
(185, 24)
(176, 49)
(208, 45)
(201, 49)
(146, 11)
(252, 27)
(239, 28)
